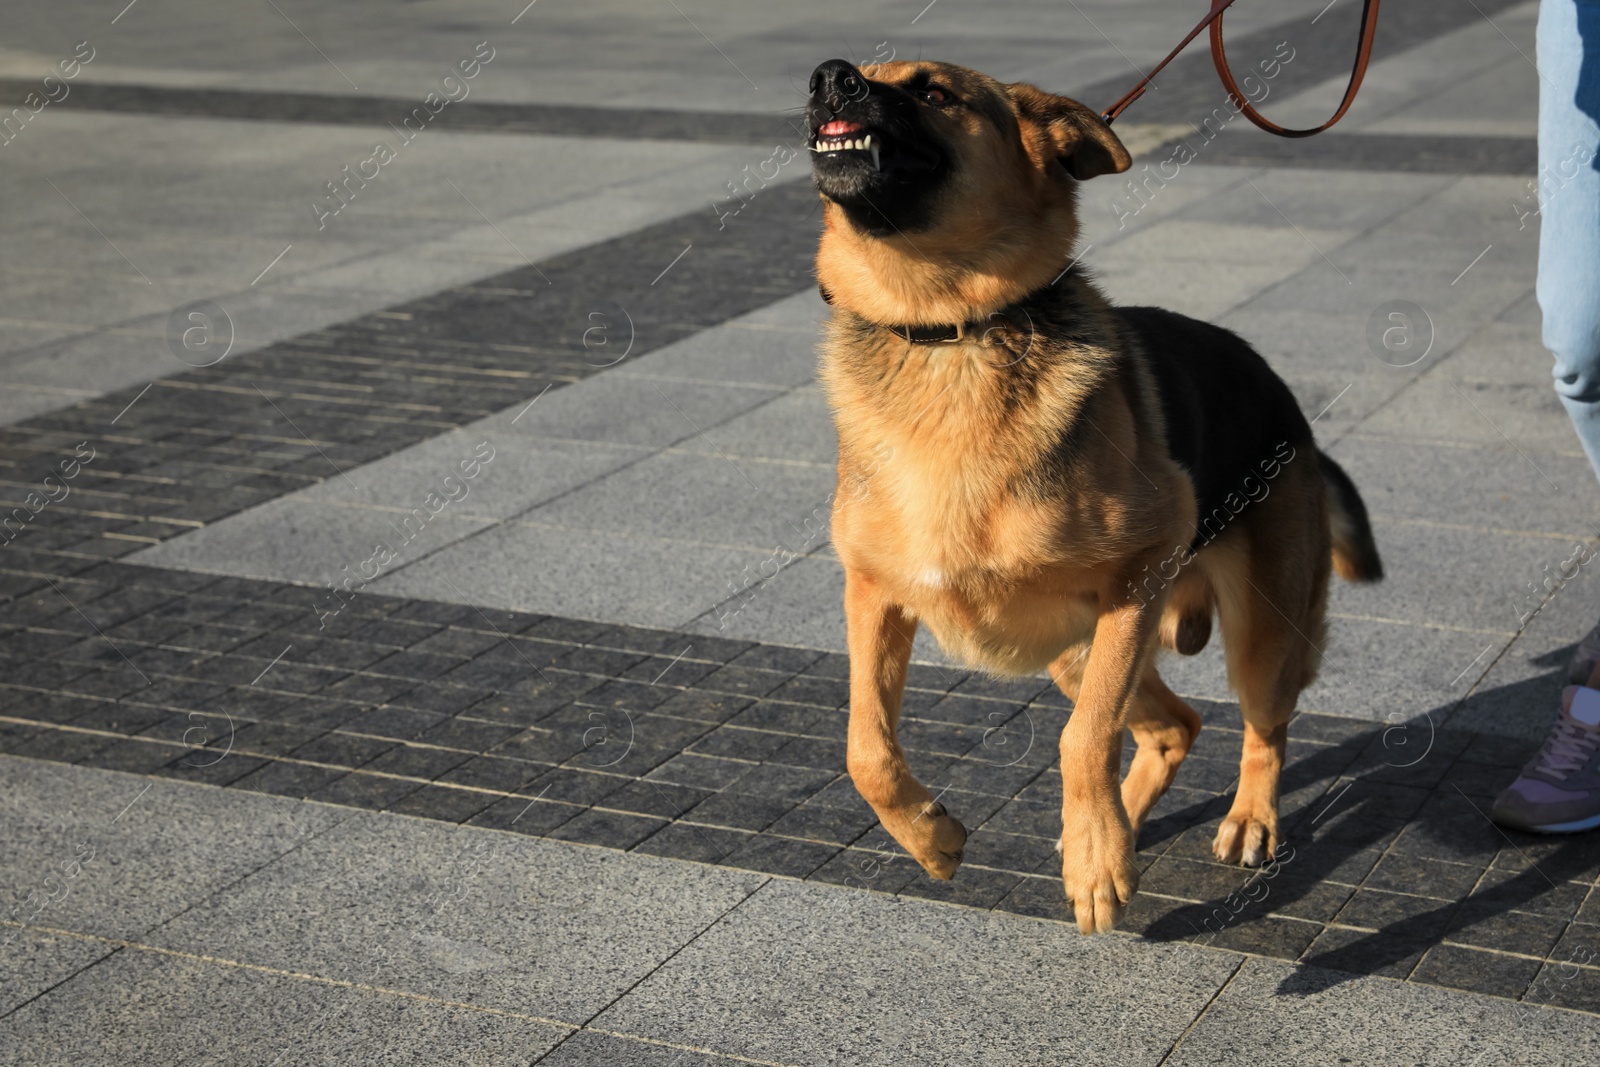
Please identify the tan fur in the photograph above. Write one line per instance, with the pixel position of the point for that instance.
(950, 514)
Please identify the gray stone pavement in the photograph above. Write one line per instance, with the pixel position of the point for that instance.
(159, 920)
(78, 318)
(614, 53)
(211, 928)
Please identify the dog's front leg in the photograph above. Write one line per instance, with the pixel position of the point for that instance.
(1097, 866)
(879, 636)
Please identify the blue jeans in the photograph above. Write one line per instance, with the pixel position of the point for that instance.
(1569, 198)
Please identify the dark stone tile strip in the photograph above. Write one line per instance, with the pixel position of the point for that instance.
(569, 729)
(1367, 151)
(206, 443)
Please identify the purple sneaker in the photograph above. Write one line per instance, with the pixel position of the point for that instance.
(1558, 792)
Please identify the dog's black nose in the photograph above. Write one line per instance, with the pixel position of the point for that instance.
(836, 82)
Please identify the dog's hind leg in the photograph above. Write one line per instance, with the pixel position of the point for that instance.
(879, 638)
(1270, 604)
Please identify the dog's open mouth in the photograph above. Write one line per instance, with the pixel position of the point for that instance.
(841, 135)
(871, 150)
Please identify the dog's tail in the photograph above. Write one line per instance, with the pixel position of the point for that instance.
(1355, 553)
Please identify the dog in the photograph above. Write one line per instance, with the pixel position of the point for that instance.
(1046, 481)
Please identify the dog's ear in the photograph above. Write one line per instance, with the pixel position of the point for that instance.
(1079, 139)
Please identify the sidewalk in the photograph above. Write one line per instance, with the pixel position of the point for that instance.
(559, 780)
(281, 931)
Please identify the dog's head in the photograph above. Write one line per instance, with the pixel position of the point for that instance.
(947, 194)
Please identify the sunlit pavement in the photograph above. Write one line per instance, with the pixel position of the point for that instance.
(421, 641)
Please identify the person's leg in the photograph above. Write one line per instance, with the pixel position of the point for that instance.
(1569, 238)
(1559, 789)
(1569, 197)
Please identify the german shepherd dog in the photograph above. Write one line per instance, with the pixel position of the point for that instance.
(1045, 480)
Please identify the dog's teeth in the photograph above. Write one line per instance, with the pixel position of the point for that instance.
(875, 164)
(847, 144)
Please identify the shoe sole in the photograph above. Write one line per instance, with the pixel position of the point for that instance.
(1573, 827)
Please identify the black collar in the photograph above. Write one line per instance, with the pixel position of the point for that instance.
(944, 333)
(949, 333)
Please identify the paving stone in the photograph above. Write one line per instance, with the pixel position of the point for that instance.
(656, 798)
(1565, 986)
(123, 1008)
(364, 791)
(469, 946)
(1493, 973)
(35, 962)
(1482, 925)
(763, 946)
(287, 779)
(972, 888)
(1267, 935)
(1383, 954)
(608, 829)
(589, 1049)
(820, 823)
(689, 841)
(1398, 914)
(493, 772)
(150, 847)
(1327, 1015)
(443, 803)
(525, 816)
(743, 811)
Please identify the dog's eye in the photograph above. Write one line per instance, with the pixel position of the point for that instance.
(934, 95)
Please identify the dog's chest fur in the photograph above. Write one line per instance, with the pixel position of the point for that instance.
(973, 486)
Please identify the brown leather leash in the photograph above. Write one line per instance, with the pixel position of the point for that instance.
(1369, 28)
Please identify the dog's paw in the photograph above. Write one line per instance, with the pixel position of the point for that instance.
(937, 840)
(1245, 840)
(1098, 869)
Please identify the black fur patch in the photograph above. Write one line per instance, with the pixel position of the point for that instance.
(1227, 412)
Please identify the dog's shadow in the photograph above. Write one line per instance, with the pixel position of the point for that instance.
(1451, 825)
